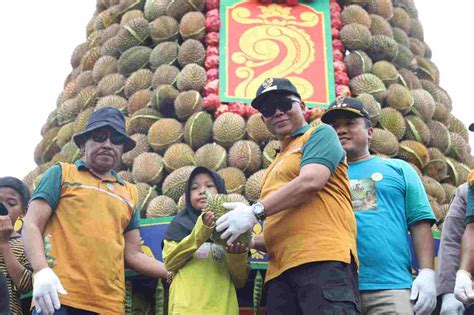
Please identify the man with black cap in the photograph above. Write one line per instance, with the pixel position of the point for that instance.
(310, 229)
(388, 199)
(81, 228)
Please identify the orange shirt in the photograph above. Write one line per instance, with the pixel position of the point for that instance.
(322, 229)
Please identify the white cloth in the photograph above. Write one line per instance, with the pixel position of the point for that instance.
(46, 286)
(423, 290)
(463, 287)
(450, 305)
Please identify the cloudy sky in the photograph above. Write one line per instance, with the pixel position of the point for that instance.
(38, 38)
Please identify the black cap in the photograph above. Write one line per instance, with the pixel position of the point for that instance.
(345, 105)
(272, 86)
(471, 127)
(106, 117)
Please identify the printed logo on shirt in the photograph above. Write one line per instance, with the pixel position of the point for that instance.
(364, 194)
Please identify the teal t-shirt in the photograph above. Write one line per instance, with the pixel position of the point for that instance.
(388, 197)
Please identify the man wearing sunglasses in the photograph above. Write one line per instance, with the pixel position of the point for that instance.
(82, 224)
(310, 228)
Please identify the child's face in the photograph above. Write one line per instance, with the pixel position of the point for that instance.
(201, 183)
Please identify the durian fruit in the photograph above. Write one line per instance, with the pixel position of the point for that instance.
(257, 130)
(234, 179)
(187, 103)
(148, 168)
(140, 147)
(383, 8)
(164, 29)
(434, 204)
(401, 37)
(130, 15)
(355, 14)
(410, 80)
(84, 79)
(161, 206)
(432, 88)
(89, 59)
(357, 62)
(174, 183)
(382, 48)
(104, 65)
(414, 152)
(450, 191)
(165, 75)
(211, 155)
(155, 8)
(163, 133)
(134, 59)
(198, 129)
(425, 69)
(403, 58)
(417, 47)
(111, 47)
(355, 36)
(106, 18)
(139, 100)
(380, 26)
(215, 205)
(433, 188)
(193, 26)
(111, 84)
(391, 120)
(177, 156)
(383, 142)
(457, 172)
(192, 77)
(142, 120)
(443, 97)
(458, 149)
(115, 101)
(245, 155)
(228, 128)
(400, 98)
(125, 176)
(163, 99)
(165, 53)
(269, 152)
(238, 198)
(145, 194)
(417, 170)
(457, 126)
(424, 104)
(401, 19)
(69, 92)
(69, 153)
(67, 111)
(178, 8)
(65, 134)
(133, 34)
(372, 106)
(386, 72)
(191, 51)
(368, 83)
(81, 120)
(139, 80)
(440, 136)
(417, 130)
(181, 203)
(77, 54)
(254, 185)
(436, 167)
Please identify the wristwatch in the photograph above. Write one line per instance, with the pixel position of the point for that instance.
(259, 211)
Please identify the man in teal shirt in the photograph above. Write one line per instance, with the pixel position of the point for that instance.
(389, 200)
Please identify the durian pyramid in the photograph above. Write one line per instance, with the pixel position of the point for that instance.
(157, 61)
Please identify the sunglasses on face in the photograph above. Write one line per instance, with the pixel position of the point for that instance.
(101, 136)
(271, 105)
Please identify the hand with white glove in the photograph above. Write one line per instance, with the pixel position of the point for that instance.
(450, 305)
(463, 287)
(46, 286)
(235, 222)
(424, 291)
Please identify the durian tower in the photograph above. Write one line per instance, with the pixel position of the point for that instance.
(157, 61)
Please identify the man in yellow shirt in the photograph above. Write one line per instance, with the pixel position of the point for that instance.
(82, 224)
(310, 228)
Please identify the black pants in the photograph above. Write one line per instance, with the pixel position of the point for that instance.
(326, 288)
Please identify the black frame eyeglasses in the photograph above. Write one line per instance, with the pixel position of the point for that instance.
(100, 136)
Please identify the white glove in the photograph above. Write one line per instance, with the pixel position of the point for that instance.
(46, 286)
(451, 306)
(463, 287)
(235, 222)
(424, 289)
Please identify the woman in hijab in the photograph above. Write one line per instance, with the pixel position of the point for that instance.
(205, 274)
(14, 195)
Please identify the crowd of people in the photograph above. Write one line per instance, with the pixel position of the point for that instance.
(336, 223)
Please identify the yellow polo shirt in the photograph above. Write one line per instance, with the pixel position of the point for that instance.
(84, 237)
(323, 229)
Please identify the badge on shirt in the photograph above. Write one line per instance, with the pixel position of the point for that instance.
(377, 177)
(110, 186)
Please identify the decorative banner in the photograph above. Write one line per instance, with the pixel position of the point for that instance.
(259, 41)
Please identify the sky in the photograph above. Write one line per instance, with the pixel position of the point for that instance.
(38, 38)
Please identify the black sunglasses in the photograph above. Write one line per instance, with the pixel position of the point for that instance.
(271, 104)
(101, 136)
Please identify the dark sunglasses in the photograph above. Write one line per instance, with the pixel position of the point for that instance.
(101, 136)
(271, 105)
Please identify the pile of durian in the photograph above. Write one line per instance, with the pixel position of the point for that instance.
(153, 60)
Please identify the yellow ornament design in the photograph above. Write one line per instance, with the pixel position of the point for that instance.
(256, 254)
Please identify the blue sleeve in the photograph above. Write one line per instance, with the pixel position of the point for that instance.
(323, 147)
(470, 205)
(416, 201)
(49, 186)
(134, 222)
